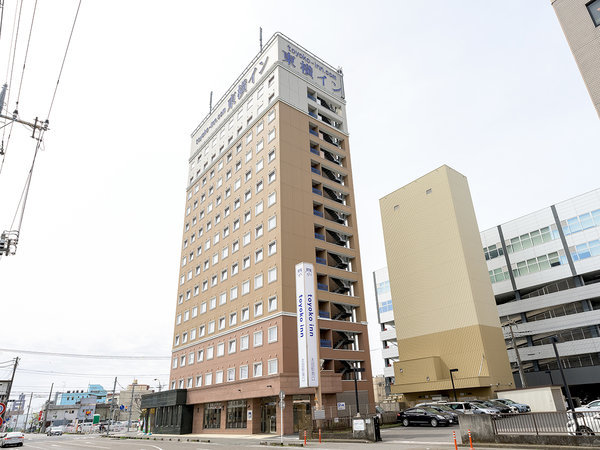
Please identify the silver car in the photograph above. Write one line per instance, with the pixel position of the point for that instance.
(14, 438)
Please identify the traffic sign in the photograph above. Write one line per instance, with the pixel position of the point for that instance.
(121, 407)
(2, 408)
(1, 421)
(282, 404)
(281, 395)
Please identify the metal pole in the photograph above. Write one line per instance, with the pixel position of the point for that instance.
(10, 386)
(565, 385)
(130, 407)
(281, 419)
(110, 411)
(453, 389)
(28, 407)
(519, 365)
(356, 392)
(43, 428)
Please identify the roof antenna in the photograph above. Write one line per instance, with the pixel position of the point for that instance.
(210, 103)
(261, 39)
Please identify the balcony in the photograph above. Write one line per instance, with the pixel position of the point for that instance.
(321, 260)
(314, 99)
(314, 169)
(321, 237)
(322, 287)
(324, 315)
(313, 132)
(315, 151)
(316, 212)
(326, 343)
(312, 114)
(316, 191)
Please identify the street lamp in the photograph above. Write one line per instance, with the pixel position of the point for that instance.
(159, 385)
(452, 379)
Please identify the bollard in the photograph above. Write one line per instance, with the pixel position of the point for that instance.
(455, 444)
(319, 435)
(305, 438)
(470, 441)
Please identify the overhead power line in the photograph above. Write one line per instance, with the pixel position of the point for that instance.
(81, 355)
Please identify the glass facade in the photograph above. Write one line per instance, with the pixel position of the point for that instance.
(237, 413)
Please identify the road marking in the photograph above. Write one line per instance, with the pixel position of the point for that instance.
(418, 442)
(87, 446)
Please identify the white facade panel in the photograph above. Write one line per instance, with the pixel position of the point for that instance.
(570, 348)
(530, 222)
(555, 324)
(543, 277)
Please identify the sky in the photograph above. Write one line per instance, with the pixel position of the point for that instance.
(491, 90)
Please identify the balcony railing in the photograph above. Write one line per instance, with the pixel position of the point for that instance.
(315, 151)
(312, 114)
(311, 97)
(324, 314)
(313, 132)
(317, 191)
(316, 212)
(321, 237)
(326, 343)
(321, 260)
(322, 287)
(314, 169)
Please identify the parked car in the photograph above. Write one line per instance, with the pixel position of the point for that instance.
(423, 416)
(501, 407)
(521, 407)
(591, 406)
(54, 431)
(442, 408)
(472, 408)
(588, 424)
(14, 438)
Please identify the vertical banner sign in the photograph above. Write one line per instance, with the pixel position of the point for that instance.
(306, 320)
(311, 308)
(301, 327)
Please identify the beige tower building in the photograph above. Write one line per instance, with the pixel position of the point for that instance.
(269, 186)
(580, 21)
(444, 309)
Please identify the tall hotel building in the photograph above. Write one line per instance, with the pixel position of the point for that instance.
(580, 21)
(269, 186)
(545, 274)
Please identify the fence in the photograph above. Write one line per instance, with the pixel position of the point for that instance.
(547, 423)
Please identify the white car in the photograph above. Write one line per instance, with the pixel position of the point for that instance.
(54, 431)
(14, 438)
(589, 424)
(591, 406)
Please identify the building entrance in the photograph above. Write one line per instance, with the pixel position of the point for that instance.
(268, 415)
(302, 416)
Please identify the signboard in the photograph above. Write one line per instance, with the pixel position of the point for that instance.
(318, 414)
(341, 406)
(249, 414)
(281, 395)
(4, 384)
(2, 408)
(306, 321)
(358, 425)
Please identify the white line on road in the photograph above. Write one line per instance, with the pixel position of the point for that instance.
(86, 446)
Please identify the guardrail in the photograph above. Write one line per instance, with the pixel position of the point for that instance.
(557, 423)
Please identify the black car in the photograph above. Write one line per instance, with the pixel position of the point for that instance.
(504, 409)
(423, 416)
(442, 409)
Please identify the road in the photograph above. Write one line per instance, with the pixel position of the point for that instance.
(417, 438)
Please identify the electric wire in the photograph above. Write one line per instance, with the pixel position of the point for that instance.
(26, 53)
(1, 18)
(81, 355)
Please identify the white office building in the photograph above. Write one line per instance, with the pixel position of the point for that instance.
(385, 317)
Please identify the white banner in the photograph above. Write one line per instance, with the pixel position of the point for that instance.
(301, 327)
(312, 330)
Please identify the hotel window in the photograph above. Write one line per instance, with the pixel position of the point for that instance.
(257, 369)
(259, 166)
(235, 246)
(198, 380)
(271, 176)
(244, 372)
(173, 384)
(233, 293)
(272, 303)
(247, 216)
(246, 287)
(184, 338)
(223, 298)
(182, 361)
(181, 384)
(210, 353)
(272, 274)
(231, 377)
(271, 115)
(249, 138)
(248, 155)
(258, 209)
(209, 208)
(247, 195)
(238, 165)
(220, 166)
(215, 258)
(246, 239)
(213, 303)
(232, 319)
(221, 348)
(236, 204)
(244, 342)
(259, 186)
(221, 323)
(237, 184)
(197, 288)
(258, 231)
(258, 281)
(178, 319)
(192, 334)
(175, 363)
(271, 135)
(258, 338)
(245, 314)
(206, 264)
(271, 155)
(234, 269)
(246, 262)
(188, 295)
(260, 145)
(236, 224)
(258, 309)
(272, 367)
(191, 358)
(272, 333)
(202, 307)
(223, 274)
(272, 199)
(186, 315)
(272, 248)
(194, 311)
(182, 279)
(225, 232)
(200, 355)
(258, 255)
(211, 327)
(232, 346)
(190, 383)
(228, 173)
(248, 175)
(594, 10)
(187, 226)
(208, 382)
(227, 212)
(272, 222)
(201, 330)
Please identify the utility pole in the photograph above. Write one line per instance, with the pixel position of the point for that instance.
(12, 378)
(565, 385)
(520, 366)
(28, 407)
(131, 405)
(43, 428)
(112, 404)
